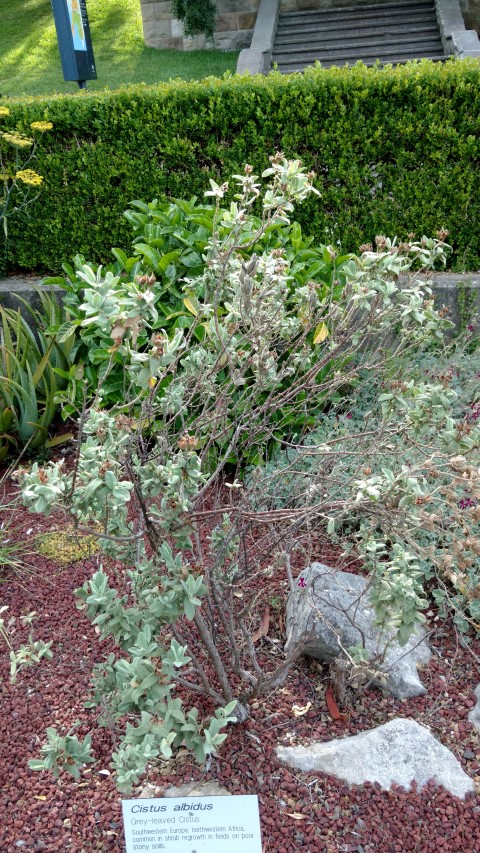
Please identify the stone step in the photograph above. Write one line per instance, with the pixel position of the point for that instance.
(291, 68)
(372, 13)
(390, 33)
(288, 68)
(360, 28)
(357, 27)
(388, 52)
(349, 39)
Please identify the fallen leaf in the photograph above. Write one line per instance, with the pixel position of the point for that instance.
(300, 710)
(296, 815)
(182, 753)
(332, 706)
(262, 631)
(39, 797)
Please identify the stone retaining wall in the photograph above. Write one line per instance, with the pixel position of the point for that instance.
(236, 21)
(471, 14)
(459, 292)
(233, 29)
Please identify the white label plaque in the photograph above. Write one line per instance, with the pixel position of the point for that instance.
(192, 825)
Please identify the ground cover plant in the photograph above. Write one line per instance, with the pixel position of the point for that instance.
(343, 453)
(30, 61)
(200, 402)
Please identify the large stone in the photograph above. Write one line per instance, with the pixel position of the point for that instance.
(330, 610)
(474, 714)
(188, 789)
(399, 752)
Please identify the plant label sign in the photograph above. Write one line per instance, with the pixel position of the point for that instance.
(74, 41)
(192, 825)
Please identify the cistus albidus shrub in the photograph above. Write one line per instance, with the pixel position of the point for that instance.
(152, 472)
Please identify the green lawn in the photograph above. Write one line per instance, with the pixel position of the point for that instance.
(30, 61)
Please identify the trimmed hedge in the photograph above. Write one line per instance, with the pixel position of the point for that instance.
(395, 150)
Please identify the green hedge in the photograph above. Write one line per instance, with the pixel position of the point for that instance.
(395, 150)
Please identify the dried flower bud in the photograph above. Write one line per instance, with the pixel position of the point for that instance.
(158, 342)
(187, 442)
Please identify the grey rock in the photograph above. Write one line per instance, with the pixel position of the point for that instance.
(189, 789)
(474, 714)
(328, 605)
(399, 752)
(198, 789)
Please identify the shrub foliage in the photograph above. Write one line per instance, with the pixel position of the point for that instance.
(153, 474)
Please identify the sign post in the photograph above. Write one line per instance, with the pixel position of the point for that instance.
(74, 41)
(192, 825)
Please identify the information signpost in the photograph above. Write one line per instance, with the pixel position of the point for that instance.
(74, 41)
(192, 825)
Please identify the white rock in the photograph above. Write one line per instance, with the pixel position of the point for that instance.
(474, 714)
(327, 605)
(398, 752)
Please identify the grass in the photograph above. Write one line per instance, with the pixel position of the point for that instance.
(30, 60)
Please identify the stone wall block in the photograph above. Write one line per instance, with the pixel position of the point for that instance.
(225, 23)
(169, 43)
(163, 10)
(195, 43)
(177, 28)
(246, 20)
(236, 6)
(233, 40)
(150, 33)
(148, 12)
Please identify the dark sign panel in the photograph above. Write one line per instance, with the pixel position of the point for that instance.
(74, 41)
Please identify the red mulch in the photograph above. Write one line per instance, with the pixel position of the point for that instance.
(299, 812)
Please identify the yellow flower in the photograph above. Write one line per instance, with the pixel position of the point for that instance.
(17, 140)
(42, 126)
(30, 177)
(4, 111)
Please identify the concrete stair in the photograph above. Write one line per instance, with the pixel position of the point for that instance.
(390, 33)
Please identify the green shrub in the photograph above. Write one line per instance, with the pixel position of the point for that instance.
(395, 151)
(168, 260)
(185, 615)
